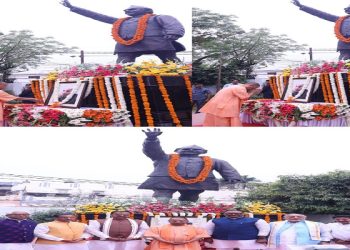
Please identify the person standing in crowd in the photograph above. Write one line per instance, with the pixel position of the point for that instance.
(236, 231)
(200, 96)
(177, 235)
(127, 233)
(63, 234)
(5, 97)
(17, 231)
(223, 110)
(232, 83)
(295, 230)
(340, 230)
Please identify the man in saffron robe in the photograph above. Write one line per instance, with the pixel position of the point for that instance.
(177, 235)
(236, 231)
(190, 165)
(223, 110)
(16, 231)
(343, 45)
(5, 97)
(296, 231)
(126, 233)
(63, 234)
(159, 39)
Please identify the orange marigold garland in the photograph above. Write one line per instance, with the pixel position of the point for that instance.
(146, 104)
(338, 88)
(329, 90)
(133, 100)
(37, 92)
(103, 92)
(139, 34)
(188, 86)
(337, 29)
(349, 79)
(202, 176)
(323, 86)
(273, 87)
(119, 106)
(43, 87)
(97, 93)
(167, 101)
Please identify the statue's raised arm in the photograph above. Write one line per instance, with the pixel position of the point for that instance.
(297, 3)
(315, 12)
(151, 145)
(89, 13)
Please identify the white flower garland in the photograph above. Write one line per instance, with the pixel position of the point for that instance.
(110, 93)
(305, 87)
(90, 86)
(334, 88)
(41, 83)
(46, 89)
(342, 88)
(120, 92)
(289, 89)
(318, 82)
(279, 84)
(56, 89)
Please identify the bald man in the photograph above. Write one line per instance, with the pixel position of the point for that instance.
(16, 231)
(296, 231)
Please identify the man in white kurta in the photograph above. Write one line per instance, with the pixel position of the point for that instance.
(63, 234)
(125, 232)
(295, 232)
(236, 231)
(340, 230)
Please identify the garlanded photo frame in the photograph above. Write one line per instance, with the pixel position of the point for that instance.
(299, 89)
(69, 94)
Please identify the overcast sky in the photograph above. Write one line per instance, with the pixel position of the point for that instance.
(50, 18)
(116, 153)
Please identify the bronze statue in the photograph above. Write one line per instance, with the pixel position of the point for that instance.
(185, 171)
(342, 27)
(141, 33)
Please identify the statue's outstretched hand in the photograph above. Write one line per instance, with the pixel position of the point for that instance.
(296, 2)
(66, 3)
(152, 134)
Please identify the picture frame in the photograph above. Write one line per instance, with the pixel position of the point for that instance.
(67, 93)
(299, 89)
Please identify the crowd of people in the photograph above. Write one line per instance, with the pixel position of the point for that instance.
(232, 231)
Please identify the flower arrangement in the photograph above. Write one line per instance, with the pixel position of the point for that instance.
(28, 115)
(261, 208)
(313, 68)
(91, 70)
(153, 68)
(282, 111)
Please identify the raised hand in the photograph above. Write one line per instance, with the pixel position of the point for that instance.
(66, 3)
(296, 2)
(152, 134)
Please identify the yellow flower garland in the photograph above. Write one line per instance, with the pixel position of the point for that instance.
(103, 92)
(188, 86)
(97, 93)
(167, 101)
(133, 100)
(146, 104)
(202, 176)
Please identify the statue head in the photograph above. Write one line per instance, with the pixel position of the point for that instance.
(191, 150)
(347, 10)
(135, 10)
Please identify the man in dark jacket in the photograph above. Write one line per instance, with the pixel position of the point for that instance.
(159, 37)
(185, 172)
(342, 27)
(17, 231)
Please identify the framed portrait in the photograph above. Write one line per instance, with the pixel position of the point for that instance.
(156, 221)
(299, 89)
(68, 94)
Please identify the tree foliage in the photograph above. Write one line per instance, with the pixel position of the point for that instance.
(217, 37)
(317, 194)
(21, 49)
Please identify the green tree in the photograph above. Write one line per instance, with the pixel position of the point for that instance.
(221, 45)
(318, 194)
(21, 49)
